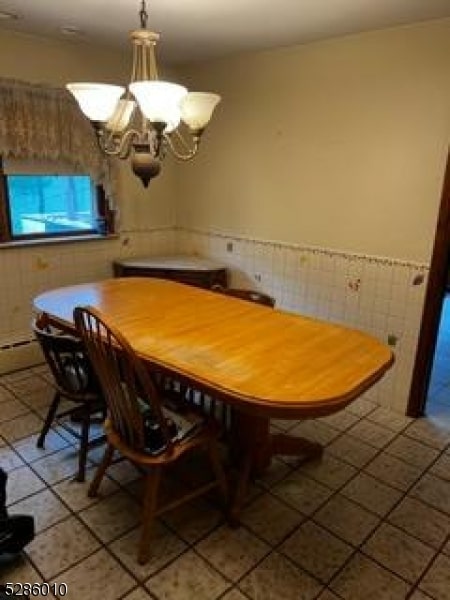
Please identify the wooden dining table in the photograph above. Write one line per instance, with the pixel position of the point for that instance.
(265, 363)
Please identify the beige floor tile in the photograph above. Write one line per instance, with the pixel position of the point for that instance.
(19, 570)
(349, 521)
(315, 431)
(362, 579)
(329, 470)
(274, 473)
(361, 407)
(433, 490)
(40, 398)
(188, 577)
(234, 595)
(371, 493)
(341, 420)
(352, 450)
(5, 395)
(270, 519)
(399, 552)
(284, 424)
(393, 471)
(421, 521)
(75, 495)
(327, 595)
(123, 472)
(98, 576)
(275, 578)
(138, 594)
(302, 493)
(389, 419)
(58, 466)
(412, 451)
(316, 550)
(372, 433)
(165, 546)
(441, 467)
(434, 431)
(17, 376)
(418, 595)
(9, 460)
(436, 582)
(23, 386)
(22, 482)
(20, 427)
(232, 551)
(28, 450)
(58, 548)
(112, 516)
(45, 508)
(12, 409)
(193, 520)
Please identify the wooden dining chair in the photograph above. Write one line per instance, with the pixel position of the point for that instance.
(74, 380)
(138, 425)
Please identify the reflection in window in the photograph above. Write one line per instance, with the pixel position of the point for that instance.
(45, 205)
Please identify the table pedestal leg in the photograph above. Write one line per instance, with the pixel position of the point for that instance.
(253, 447)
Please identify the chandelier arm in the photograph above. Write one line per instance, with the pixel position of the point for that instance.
(189, 153)
(115, 145)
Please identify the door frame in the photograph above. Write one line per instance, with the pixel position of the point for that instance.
(437, 282)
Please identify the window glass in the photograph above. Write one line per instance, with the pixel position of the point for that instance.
(45, 205)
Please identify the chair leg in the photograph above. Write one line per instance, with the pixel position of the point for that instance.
(49, 419)
(148, 512)
(101, 470)
(214, 457)
(84, 444)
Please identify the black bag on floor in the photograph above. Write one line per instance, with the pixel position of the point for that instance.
(15, 531)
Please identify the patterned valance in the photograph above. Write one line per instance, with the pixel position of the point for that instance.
(45, 123)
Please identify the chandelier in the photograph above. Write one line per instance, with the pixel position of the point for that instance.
(148, 118)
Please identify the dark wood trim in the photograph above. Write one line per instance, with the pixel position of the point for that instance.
(437, 283)
(5, 235)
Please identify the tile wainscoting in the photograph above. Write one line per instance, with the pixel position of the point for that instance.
(27, 271)
(381, 296)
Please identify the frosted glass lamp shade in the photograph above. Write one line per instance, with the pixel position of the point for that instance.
(158, 100)
(197, 109)
(97, 100)
(121, 116)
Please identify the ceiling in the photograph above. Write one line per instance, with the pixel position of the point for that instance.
(201, 29)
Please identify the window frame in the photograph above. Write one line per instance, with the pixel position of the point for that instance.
(6, 235)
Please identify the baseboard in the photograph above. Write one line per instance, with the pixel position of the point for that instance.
(20, 356)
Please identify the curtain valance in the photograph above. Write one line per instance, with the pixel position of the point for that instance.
(45, 123)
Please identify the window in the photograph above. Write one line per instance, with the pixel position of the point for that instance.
(41, 204)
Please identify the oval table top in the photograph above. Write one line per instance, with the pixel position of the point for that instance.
(267, 361)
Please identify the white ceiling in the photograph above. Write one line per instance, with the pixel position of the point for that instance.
(199, 29)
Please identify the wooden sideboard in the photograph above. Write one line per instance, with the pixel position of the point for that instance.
(193, 270)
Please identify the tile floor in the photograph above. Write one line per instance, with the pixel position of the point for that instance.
(371, 520)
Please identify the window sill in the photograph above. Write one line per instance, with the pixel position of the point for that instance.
(58, 240)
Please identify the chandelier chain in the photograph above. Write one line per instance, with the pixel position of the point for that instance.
(143, 14)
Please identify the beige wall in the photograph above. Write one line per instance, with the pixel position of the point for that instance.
(338, 144)
(44, 60)
(146, 217)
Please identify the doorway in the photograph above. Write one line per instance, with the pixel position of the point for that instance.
(437, 402)
(435, 306)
